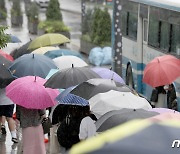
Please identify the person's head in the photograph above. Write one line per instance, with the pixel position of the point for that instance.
(74, 110)
(85, 111)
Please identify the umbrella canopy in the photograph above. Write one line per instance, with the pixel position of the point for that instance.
(32, 64)
(93, 87)
(115, 100)
(21, 51)
(5, 61)
(165, 116)
(72, 99)
(30, 93)
(108, 74)
(43, 50)
(64, 62)
(163, 110)
(70, 77)
(161, 71)
(62, 52)
(14, 39)
(117, 117)
(5, 72)
(135, 137)
(51, 72)
(48, 40)
(7, 56)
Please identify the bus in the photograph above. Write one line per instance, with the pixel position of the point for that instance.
(141, 31)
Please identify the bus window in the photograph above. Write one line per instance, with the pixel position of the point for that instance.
(153, 38)
(175, 39)
(164, 36)
(132, 26)
(124, 23)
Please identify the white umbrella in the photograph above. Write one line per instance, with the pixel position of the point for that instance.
(115, 100)
(43, 50)
(64, 62)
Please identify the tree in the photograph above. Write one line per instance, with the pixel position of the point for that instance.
(4, 38)
(3, 11)
(53, 11)
(16, 8)
(94, 25)
(33, 13)
(86, 23)
(103, 33)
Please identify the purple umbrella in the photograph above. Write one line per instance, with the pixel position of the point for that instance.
(108, 74)
(162, 110)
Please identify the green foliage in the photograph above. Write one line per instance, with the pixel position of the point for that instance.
(103, 32)
(3, 15)
(95, 19)
(86, 23)
(50, 26)
(16, 8)
(86, 37)
(53, 11)
(2, 5)
(4, 38)
(33, 13)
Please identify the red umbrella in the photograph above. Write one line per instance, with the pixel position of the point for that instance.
(5, 55)
(161, 71)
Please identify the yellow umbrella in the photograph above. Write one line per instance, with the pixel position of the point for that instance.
(43, 50)
(125, 132)
(48, 40)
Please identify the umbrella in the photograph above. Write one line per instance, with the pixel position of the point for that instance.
(161, 71)
(30, 93)
(5, 61)
(70, 77)
(108, 74)
(163, 110)
(93, 87)
(4, 72)
(21, 51)
(14, 39)
(64, 62)
(7, 56)
(117, 117)
(32, 64)
(48, 40)
(134, 137)
(72, 99)
(62, 52)
(43, 50)
(165, 116)
(115, 100)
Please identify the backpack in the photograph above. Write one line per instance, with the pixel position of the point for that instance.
(68, 132)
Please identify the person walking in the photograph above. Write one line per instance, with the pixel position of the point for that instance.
(32, 131)
(6, 112)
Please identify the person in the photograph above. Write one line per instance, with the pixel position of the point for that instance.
(6, 112)
(158, 97)
(75, 127)
(171, 97)
(32, 131)
(87, 127)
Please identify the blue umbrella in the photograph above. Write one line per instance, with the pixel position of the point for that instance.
(32, 65)
(62, 52)
(14, 39)
(71, 99)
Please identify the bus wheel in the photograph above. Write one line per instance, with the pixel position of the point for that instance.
(129, 77)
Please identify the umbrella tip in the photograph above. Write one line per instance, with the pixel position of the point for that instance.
(110, 68)
(33, 55)
(112, 76)
(72, 65)
(134, 110)
(35, 79)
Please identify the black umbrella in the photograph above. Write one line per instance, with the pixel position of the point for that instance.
(32, 65)
(70, 77)
(92, 87)
(117, 117)
(5, 61)
(21, 51)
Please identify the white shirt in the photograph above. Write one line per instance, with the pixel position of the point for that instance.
(87, 128)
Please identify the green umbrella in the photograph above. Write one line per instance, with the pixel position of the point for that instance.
(48, 40)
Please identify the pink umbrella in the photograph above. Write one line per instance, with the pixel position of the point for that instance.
(163, 110)
(30, 93)
(165, 116)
